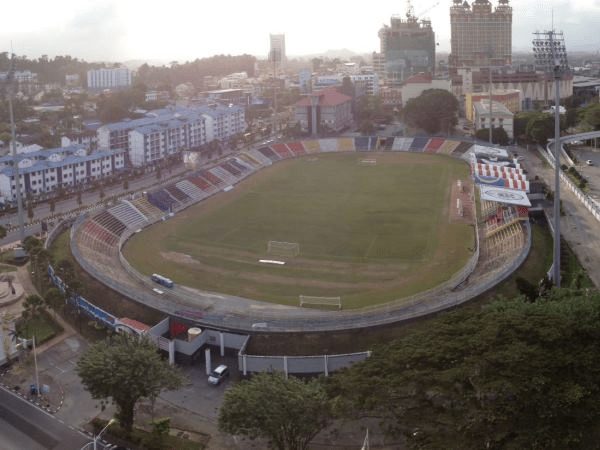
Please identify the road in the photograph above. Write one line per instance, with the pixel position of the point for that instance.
(24, 426)
(89, 199)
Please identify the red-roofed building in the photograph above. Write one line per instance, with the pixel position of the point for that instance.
(324, 109)
(132, 326)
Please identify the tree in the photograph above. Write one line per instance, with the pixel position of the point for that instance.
(33, 306)
(126, 369)
(287, 413)
(540, 127)
(3, 232)
(499, 135)
(513, 375)
(433, 111)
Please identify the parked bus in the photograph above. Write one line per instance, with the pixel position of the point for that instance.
(164, 281)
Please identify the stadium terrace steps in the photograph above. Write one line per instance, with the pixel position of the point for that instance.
(147, 209)
(345, 145)
(434, 145)
(109, 222)
(128, 215)
(282, 150)
(312, 146)
(191, 190)
(297, 148)
(177, 193)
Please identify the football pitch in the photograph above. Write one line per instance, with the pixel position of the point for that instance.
(368, 233)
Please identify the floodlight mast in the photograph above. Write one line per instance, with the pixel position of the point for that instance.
(550, 52)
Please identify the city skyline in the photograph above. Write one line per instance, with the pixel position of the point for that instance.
(118, 31)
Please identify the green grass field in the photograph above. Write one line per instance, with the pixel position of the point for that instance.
(369, 234)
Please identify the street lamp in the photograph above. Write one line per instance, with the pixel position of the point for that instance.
(549, 52)
(96, 437)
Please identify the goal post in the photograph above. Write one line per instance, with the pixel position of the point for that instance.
(327, 301)
(283, 249)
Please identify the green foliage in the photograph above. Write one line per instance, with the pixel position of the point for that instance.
(540, 127)
(499, 135)
(287, 413)
(433, 111)
(591, 116)
(160, 431)
(514, 375)
(126, 369)
(3, 232)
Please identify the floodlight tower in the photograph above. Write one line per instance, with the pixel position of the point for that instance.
(10, 88)
(550, 52)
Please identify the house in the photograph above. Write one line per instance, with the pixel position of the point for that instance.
(324, 110)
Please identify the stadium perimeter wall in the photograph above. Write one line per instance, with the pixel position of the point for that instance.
(309, 320)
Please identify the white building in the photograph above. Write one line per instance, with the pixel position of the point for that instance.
(367, 83)
(109, 78)
(171, 130)
(415, 85)
(44, 171)
(501, 117)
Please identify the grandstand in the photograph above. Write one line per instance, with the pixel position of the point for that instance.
(267, 152)
(282, 150)
(297, 148)
(345, 144)
(312, 146)
(418, 144)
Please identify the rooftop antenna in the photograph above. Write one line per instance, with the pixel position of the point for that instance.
(13, 136)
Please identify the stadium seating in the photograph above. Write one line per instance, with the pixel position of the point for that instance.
(177, 193)
(162, 200)
(345, 144)
(328, 145)
(297, 148)
(266, 151)
(362, 143)
(191, 190)
(434, 145)
(282, 150)
(312, 146)
(418, 144)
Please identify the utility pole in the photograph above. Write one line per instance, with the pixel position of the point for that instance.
(10, 86)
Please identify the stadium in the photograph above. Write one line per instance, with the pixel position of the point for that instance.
(315, 235)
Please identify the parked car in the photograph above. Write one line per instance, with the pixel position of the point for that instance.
(218, 375)
(589, 162)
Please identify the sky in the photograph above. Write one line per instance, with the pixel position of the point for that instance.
(117, 31)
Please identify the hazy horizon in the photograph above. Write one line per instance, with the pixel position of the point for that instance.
(114, 31)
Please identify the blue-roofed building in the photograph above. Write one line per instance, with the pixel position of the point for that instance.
(167, 131)
(42, 172)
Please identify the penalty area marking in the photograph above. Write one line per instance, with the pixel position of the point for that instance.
(271, 261)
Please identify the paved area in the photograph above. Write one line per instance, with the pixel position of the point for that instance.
(578, 227)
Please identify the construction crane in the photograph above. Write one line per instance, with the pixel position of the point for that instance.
(410, 12)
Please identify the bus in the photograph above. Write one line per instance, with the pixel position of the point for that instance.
(163, 281)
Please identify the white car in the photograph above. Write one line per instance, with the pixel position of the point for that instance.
(218, 375)
(589, 162)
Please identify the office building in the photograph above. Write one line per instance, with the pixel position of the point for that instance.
(277, 49)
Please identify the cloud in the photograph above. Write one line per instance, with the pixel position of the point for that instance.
(94, 33)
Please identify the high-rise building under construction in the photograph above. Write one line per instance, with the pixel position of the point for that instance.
(407, 46)
(480, 36)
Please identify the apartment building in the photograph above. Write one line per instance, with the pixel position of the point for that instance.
(42, 172)
(118, 78)
(170, 130)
